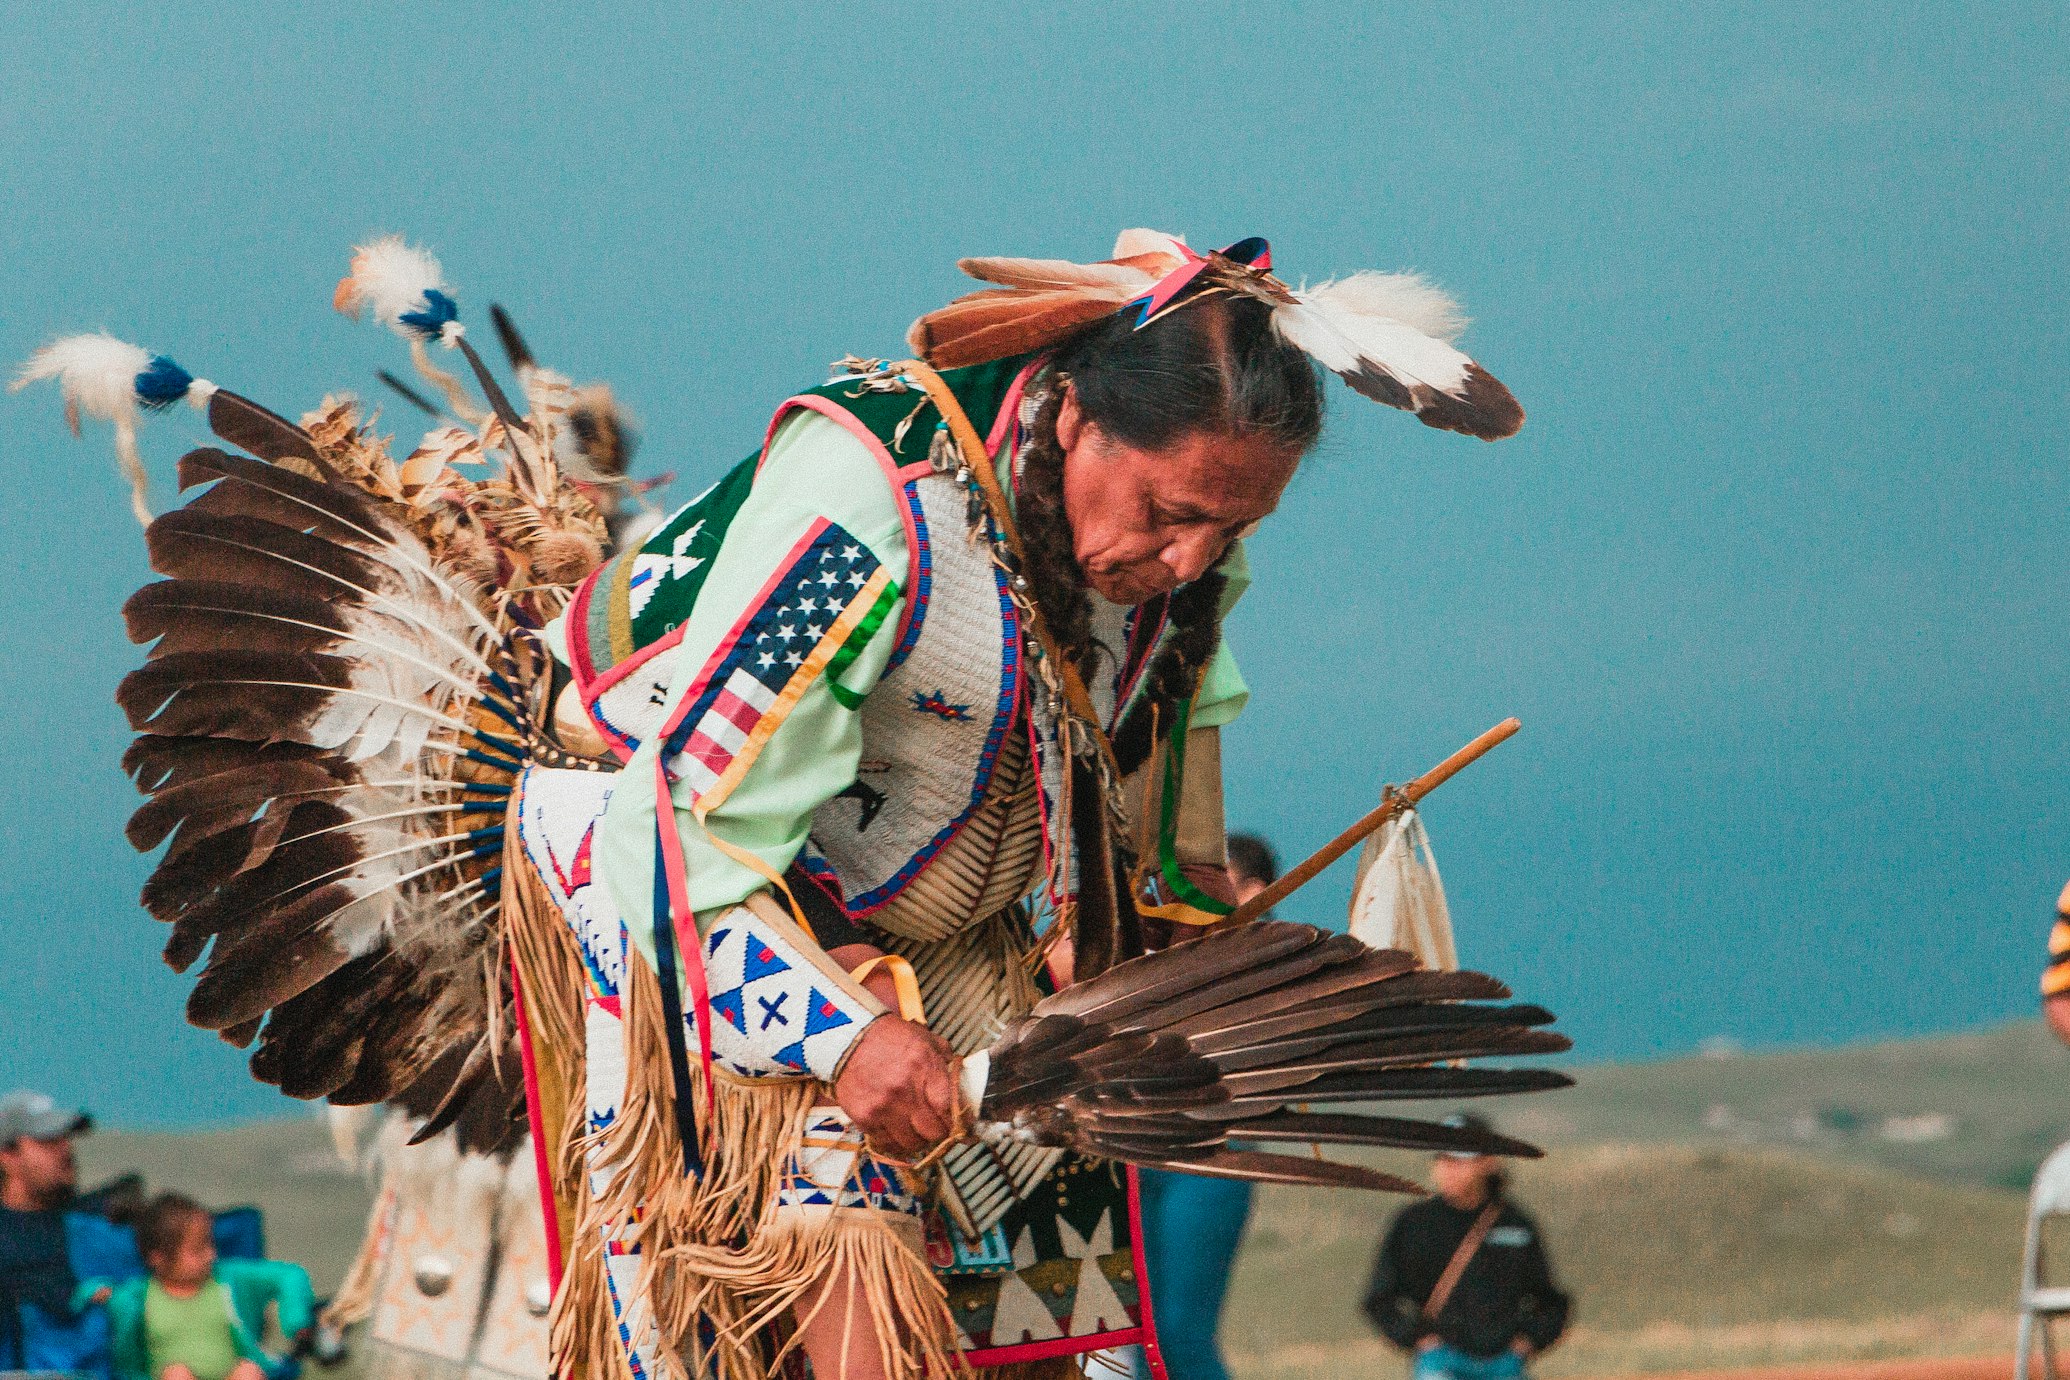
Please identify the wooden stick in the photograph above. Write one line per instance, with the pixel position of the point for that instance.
(1395, 802)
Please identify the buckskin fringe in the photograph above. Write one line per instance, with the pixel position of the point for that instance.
(712, 1250)
(582, 1328)
(852, 1258)
(708, 1247)
(354, 1300)
(722, 1272)
(1051, 1368)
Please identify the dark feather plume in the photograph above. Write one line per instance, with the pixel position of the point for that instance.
(409, 394)
(318, 721)
(244, 423)
(1163, 1059)
(514, 347)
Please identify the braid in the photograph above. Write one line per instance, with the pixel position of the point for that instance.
(1052, 563)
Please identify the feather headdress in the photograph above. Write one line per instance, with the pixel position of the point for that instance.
(1389, 335)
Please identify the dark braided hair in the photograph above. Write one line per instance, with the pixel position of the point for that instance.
(1215, 365)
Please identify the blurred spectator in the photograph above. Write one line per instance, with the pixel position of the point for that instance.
(195, 1316)
(1192, 1225)
(40, 1329)
(2055, 979)
(1462, 1280)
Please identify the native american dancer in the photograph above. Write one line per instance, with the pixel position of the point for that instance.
(806, 856)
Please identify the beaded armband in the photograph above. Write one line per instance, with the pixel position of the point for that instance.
(780, 1007)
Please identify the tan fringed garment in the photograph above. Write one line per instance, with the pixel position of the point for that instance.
(722, 1248)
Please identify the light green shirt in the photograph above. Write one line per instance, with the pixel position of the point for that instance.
(1223, 693)
(194, 1332)
(815, 469)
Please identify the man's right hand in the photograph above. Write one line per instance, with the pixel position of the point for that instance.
(899, 1087)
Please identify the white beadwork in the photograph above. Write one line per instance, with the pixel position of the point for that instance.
(558, 811)
(927, 723)
(636, 705)
(774, 1013)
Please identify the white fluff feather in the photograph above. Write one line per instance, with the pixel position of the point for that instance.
(1130, 243)
(96, 373)
(389, 276)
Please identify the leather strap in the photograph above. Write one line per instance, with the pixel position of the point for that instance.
(979, 462)
(1469, 1246)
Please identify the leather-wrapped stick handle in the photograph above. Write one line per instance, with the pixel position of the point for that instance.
(1394, 804)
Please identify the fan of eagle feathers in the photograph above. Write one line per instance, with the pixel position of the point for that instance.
(1167, 1059)
(338, 697)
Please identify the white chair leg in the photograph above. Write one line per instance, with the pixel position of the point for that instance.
(2023, 1351)
(2048, 1346)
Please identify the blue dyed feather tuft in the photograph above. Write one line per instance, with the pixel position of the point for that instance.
(430, 320)
(162, 384)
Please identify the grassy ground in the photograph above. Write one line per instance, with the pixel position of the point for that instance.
(1796, 1227)
(1981, 1108)
(1677, 1256)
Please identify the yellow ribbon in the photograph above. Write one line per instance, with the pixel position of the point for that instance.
(903, 979)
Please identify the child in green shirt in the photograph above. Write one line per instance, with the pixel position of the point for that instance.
(195, 1317)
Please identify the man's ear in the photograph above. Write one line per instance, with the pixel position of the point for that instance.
(1071, 425)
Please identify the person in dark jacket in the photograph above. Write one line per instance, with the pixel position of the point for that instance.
(1499, 1307)
(40, 1235)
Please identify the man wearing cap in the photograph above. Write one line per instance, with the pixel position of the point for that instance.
(1462, 1279)
(38, 1181)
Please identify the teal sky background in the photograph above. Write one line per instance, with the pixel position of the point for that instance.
(1775, 576)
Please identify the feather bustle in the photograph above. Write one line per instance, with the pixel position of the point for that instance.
(245, 424)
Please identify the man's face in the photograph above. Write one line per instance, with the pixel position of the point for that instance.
(1245, 885)
(1145, 522)
(41, 1171)
(1463, 1182)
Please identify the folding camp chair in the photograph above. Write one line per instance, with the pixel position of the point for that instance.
(2040, 1304)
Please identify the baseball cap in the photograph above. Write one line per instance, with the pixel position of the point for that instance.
(1465, 1121)
(36, 1116)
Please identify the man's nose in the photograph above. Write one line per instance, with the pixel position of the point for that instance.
(1190, 557)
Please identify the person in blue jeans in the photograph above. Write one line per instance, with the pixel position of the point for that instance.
(1192, 1225)
(1462, 1280)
